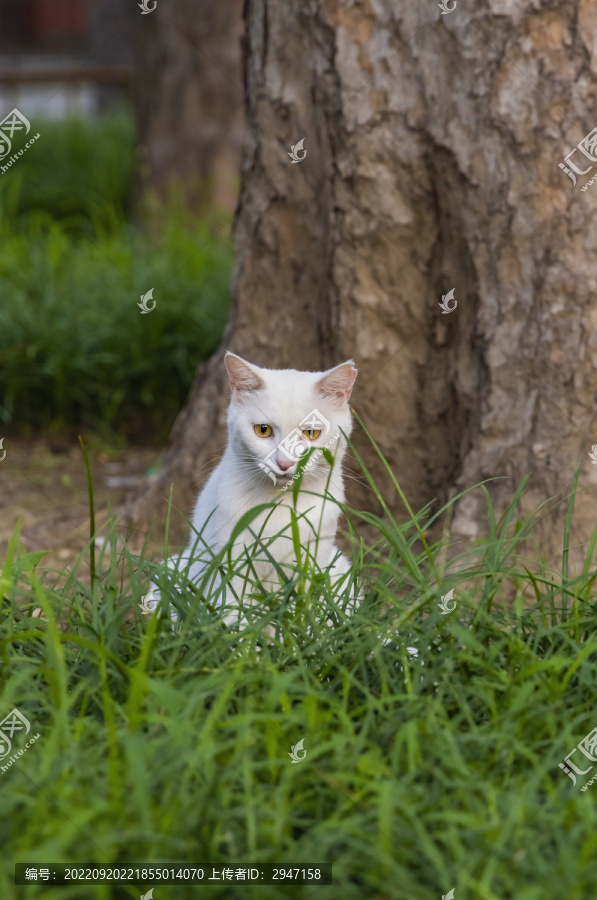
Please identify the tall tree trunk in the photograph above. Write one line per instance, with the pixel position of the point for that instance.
(186, 92)
(433, 144)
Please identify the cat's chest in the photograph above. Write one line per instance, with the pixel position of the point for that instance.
(313, 515)
(271, 533)
(308, 512)
(223, 503)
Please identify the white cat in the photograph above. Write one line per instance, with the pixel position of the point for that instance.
(274, 416)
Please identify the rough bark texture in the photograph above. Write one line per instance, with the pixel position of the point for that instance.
(188, 99)
(433, 145)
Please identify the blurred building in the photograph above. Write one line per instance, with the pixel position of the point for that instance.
(63, 57)
(33, 26)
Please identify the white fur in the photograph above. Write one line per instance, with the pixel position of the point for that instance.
(282, 399)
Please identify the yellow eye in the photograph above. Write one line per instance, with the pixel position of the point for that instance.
(263, 430)
(312, 433)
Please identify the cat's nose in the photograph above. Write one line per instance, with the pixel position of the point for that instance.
(284, 464)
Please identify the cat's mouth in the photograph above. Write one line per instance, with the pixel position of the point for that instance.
(286, 478)
(281, 479)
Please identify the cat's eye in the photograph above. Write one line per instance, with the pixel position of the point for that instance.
(312, 433)
(263, 430)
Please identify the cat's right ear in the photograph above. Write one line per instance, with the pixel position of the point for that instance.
(241, 374)
(337, 383)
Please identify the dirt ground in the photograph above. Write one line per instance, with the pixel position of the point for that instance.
(43, 482)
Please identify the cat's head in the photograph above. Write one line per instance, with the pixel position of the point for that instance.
(275, 415)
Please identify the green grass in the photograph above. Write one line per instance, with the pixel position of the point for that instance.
(422, 773)
(75, 349)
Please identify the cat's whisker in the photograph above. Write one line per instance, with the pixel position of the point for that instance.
(359, 480)
(210, 464)
(206, 470)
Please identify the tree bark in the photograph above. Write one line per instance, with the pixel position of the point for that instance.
(187, 97)
(433, 144)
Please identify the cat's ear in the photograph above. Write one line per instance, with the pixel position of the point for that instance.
(241, 374)
(338, 382)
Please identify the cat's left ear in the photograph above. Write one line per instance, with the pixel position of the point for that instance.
(337, 383)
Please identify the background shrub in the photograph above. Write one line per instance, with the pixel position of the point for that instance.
(74, 346)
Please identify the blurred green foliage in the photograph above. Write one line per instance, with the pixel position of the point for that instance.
(77, 170)
(74, 347)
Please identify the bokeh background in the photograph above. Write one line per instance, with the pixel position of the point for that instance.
(132, 186)
(434, 140)
(434, 144)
